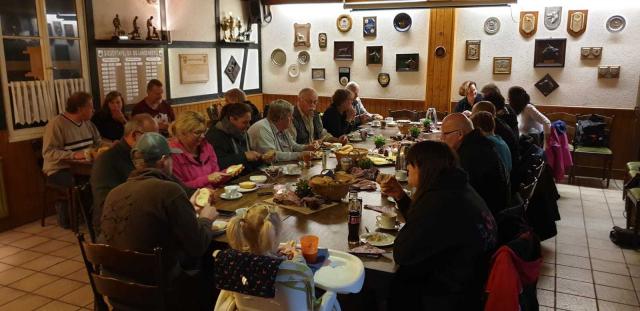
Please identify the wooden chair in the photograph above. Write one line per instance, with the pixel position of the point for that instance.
(52, 191)
(605, 153)
(125, 277)
(404, 114)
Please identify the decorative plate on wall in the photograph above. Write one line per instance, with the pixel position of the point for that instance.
(616, 23)
(294, 70)
(492, 25)
(303, 57)
(278, 57)
(402, 22)
(344, 22)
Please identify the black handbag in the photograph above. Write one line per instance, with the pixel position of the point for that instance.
(624, 238)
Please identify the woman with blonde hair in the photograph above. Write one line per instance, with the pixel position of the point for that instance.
(469, 90)
(197, 165)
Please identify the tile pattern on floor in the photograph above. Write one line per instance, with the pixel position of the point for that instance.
(41, 267)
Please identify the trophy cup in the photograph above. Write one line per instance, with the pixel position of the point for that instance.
(225, 25)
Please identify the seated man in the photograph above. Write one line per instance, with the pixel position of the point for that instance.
(362, 115)
(271, 133)
(307, 125)
(229, 138)
(484, 122)
(154, 105)
(237, 96)
(339, 116)
(151, 210)
(67, 137)
(113, 166)
(479, 159)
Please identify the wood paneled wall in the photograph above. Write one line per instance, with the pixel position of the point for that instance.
(374, 105)
(442, 23)
(202, 106)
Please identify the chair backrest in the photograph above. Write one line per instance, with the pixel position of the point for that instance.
(126, 277)
(570, 121)
(411, 115)
(36, 145)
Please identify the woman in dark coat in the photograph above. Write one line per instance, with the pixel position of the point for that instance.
(339, 116)
(471, 97)
(110, 119)
(444, 248)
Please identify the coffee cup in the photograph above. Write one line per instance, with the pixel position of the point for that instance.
(231, 191)
(386, 220)
(401, 175)
(375, 123)
(389, 119)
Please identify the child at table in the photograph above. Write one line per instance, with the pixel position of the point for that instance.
(258, 232)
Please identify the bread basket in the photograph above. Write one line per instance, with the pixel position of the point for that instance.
(356, 154)
(333, 191)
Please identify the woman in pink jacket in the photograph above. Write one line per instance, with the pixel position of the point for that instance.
(197, 165)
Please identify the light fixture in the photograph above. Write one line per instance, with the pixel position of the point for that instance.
(359, 5)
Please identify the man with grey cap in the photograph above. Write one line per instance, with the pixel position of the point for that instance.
(152, 210)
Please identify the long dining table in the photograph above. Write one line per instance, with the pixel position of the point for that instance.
(330, 224)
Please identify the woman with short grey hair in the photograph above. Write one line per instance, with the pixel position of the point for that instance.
(270, 134)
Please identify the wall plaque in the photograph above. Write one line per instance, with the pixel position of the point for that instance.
(577, 22)
(528, 23)
(194, 68)
(552, 17)
(472, 51)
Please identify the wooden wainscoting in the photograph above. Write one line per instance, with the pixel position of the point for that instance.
(373, 105)
(202, 106)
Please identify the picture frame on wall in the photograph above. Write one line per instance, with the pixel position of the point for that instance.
(194, 68)
(407, 62)
(501, 65)
(369, 26)
(472, 50)
(343, 50)
(317, 74)
(549, 52)
(374, 55)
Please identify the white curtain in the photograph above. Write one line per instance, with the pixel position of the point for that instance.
(39, 101)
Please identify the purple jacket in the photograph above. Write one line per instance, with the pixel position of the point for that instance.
(191, 172)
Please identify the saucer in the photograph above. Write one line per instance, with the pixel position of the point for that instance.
(243, 190)
(394, 227)
(225, 196)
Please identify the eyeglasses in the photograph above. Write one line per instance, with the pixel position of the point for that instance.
(200, 132)
(450, 132)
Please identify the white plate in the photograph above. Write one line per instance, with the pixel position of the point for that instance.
(294, 71)
(226, 197)
(219, 225)
(243, 190)
(616, 23)
(391, 124)
(395, 227)
(379, 239)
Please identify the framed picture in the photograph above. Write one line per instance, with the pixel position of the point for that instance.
(194, 68)
(374, 55)
(549, 53)
(343, 50)
(407, 62)
(472, 51)
(301, 34)
(57, 29)
(317, 74)
(369, 26)
(501, 65)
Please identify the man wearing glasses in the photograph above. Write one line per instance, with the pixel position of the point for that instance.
(112, 167)
(479, 159)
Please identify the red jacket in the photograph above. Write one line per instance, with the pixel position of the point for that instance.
(509, 273)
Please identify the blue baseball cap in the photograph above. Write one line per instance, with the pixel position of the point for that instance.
(153, 147)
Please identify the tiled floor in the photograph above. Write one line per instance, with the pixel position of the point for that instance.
(41, 267)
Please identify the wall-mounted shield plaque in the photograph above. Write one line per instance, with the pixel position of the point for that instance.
(528, 23)
(384, 79)
(552, 17)
(546, 85)
(344, 75)
(472, 51)
(232, 70)
(322, 40)
(577, 22)
(301, 34)
(590, 52)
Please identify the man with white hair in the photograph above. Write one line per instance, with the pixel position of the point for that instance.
(271, 133)
(307, 124)
(362, 115)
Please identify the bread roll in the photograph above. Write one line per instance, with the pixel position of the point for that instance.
(203, 197)
(247, 185)
(234, 169)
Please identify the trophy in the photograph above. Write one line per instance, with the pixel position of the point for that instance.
(118, 33)
(135, 34)
(225, 25)
(152, 32)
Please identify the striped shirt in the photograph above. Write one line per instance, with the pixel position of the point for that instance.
(62, 137)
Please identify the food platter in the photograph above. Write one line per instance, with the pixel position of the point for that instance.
(379, 239)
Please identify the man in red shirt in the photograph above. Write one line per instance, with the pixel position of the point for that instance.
(154, 105)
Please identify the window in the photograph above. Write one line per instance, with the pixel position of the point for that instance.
(44, 53)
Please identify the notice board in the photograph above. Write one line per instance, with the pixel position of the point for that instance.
(127, 70)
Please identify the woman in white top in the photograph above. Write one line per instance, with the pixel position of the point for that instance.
(530, 120)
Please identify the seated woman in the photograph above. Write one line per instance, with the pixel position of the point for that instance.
(229, 137)
(471, 97)
(443, 250)
(338, 118)
(530, 121)
(110, 119)
(197, 165)
(504, 112)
